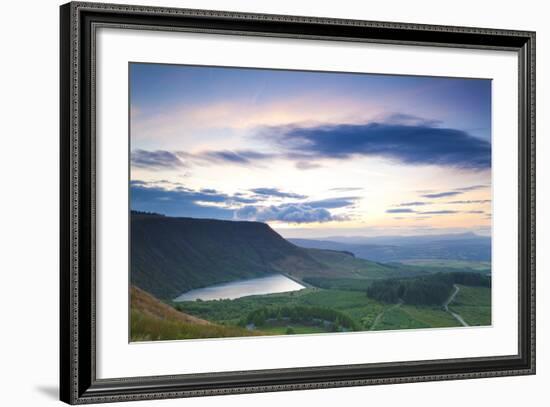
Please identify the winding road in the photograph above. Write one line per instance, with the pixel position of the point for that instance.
(379, 316)
(449, 300)
(445, 307)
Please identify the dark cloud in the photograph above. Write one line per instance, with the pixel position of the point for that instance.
(410, 144)
(400, 210)
(475, 212)
(291, 213)
(415, 203)
(179, 202)
(210, 203)
(182, 201)
(442, 194)
(156, 160)
(277, 193)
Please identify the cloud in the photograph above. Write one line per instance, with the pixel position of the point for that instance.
(155, 160)
(442, 212)
(306, 165)
(442, 194)
(301, 212)
(211, 203)
(418, 144)
(470, 201)
(475, 212)
(346, 189)
(181, 201)
(409, 210)
(234, 157)
(332, 203)
(471, 188)
(400, 210)
(409, 120)
(415, 203)
(291, 213)
(276, 192)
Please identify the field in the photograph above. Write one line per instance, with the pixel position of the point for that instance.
(353, 304)
(483, 267)
(311, 310)
(473, 304)
(366, 313)
(411, 317)
(351, 309)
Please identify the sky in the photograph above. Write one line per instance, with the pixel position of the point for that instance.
(313, 154)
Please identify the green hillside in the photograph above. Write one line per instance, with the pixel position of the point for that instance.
(173, 255)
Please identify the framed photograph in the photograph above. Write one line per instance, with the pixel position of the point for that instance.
(254, 203)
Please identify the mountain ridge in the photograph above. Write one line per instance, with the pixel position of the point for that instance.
(172, 255)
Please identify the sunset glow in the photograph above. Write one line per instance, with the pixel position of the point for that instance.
(313, 154)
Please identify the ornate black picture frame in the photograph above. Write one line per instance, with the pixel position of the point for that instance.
(78, 380)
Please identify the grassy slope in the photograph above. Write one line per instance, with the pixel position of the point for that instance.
(150, 306)
(150, 319)
(414, 317)
(473, 304)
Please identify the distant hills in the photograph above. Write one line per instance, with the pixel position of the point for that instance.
(172, 255)
(464, 246)
(403, 240)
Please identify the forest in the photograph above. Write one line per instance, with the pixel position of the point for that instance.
(431, 289)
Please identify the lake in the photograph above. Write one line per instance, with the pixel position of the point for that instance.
(271, 284)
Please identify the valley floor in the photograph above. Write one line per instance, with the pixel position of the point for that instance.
(307, 311)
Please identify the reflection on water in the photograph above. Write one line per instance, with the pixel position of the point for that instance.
(275, 283)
